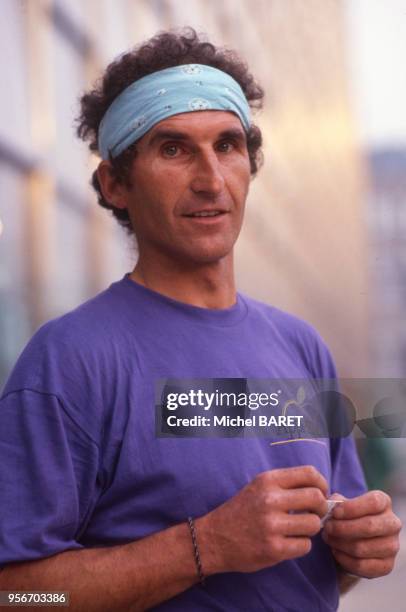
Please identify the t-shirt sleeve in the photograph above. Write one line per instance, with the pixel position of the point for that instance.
(347, 473)
(48, 477)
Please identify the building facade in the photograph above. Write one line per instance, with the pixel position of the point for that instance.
(303, 247)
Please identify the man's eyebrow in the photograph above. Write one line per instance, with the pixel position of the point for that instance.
(232, 133)
(167, 135)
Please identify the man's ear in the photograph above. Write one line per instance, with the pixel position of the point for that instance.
(113, 191)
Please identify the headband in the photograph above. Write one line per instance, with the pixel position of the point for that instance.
(180, 89)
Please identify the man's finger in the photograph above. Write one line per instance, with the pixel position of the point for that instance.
(295, 547)
(367, 548)
(302, 476)
(307, 524)
(366, 568)
(310, 499)
(373, 502)
(365, 527)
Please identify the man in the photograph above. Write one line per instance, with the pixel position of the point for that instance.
(95, 504)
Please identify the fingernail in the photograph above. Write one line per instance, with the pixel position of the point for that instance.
(338, 511)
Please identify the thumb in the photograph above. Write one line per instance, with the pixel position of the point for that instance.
(333, 501)
(336, 497)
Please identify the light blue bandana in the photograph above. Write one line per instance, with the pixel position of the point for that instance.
(181, 89)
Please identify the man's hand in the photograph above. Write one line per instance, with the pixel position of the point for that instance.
(364, 534)
(270, 520)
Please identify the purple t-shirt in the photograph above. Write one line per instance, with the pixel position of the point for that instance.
(80, 465)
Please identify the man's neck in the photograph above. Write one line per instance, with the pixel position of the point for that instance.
(208, 286)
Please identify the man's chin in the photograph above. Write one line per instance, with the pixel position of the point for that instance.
(207, 256)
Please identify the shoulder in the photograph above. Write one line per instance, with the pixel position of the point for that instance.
(91, 321)
(286, 323)
(71, 358)
(296, 335)
(73, 329)
(73, 347)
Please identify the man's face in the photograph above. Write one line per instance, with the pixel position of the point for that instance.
(190, 181)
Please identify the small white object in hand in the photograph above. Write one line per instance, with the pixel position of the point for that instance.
(331, 504)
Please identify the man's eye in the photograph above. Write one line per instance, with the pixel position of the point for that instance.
(171, 150)
(225, 147)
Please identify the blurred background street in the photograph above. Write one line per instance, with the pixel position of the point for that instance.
(325, 230)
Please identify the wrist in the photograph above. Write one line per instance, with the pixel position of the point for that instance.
(209, 551)
(200, 573)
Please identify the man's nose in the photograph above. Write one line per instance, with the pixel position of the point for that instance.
(208, 177)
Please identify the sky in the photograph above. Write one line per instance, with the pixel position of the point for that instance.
(377, 60)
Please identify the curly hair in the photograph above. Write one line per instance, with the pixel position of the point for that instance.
(164, 50)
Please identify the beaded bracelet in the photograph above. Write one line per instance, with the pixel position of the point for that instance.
(201, 575)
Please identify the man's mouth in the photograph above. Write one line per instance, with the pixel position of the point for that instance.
(206, 213)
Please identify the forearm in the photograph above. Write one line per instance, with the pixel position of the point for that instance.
(132, 577)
